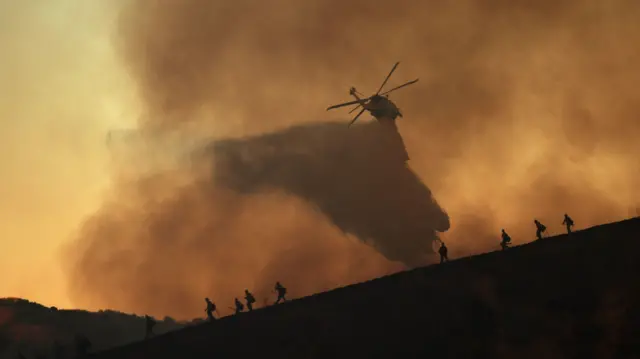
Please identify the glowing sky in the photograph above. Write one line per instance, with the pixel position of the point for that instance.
(61, 89)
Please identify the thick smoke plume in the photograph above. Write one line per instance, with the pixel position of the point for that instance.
(524, 109)
(356, 177)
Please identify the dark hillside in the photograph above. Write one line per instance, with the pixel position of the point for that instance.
(31, 328)
(574, 296)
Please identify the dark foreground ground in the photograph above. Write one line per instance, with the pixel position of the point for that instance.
(572, 296)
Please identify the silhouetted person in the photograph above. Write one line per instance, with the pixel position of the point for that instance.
(443, 253)
(239, 306)
(506, 240)
(282, 291)
(210, 309)
(250, 299)
(540, 228)
(150, 323)
(82, 346)
(568, 222)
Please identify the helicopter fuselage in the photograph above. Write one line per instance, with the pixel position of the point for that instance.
(381, 108)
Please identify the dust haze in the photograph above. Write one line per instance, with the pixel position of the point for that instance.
(524, 109)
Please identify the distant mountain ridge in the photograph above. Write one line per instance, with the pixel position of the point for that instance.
(31, 328)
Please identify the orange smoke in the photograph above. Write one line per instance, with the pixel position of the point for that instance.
(524, 109)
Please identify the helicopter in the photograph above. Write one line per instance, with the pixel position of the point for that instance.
(379, 105)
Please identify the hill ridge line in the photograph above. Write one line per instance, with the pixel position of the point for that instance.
(476, 260)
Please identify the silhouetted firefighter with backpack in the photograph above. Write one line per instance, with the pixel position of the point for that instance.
(150, 323)
(210, 309)
(506, 240)
(282, 291)
(540, 228)
(239, 306)
(443, 253)
(568, 222)
(250, 299)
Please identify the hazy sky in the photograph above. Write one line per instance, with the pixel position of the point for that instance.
(61, 89)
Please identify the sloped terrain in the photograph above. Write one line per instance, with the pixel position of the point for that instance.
(569, 296)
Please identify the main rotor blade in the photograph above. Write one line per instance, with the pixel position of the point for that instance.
(388, 76)
(355, 118)
(361, 101)
(355, 108)
(401, 86)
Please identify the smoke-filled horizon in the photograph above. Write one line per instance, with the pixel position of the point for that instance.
(524, 109)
